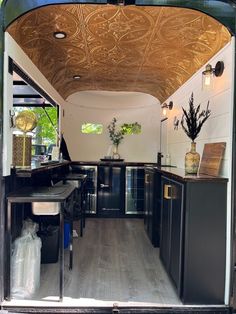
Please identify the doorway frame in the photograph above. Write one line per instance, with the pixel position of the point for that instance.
(224, 11)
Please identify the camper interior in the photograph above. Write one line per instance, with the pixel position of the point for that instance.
(134, 226)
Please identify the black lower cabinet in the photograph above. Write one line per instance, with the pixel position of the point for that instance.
(193, 238)
(171, 229)
(111, 191)
(205, 243)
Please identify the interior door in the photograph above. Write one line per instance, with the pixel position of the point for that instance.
(111, 191)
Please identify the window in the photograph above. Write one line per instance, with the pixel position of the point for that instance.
(92, 128)
(131, 128)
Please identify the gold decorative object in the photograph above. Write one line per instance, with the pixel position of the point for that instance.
(150, 49)
(25, 121)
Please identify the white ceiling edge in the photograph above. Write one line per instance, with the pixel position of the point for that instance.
(109, 100)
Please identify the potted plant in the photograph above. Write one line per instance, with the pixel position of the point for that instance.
(115, 136)
(192, 122)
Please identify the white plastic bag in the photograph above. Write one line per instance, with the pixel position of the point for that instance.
(25, 262)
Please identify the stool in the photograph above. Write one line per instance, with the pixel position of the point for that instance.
(79, 180)
(55, 194)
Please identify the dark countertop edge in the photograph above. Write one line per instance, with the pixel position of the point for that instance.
(27, 172)
(24, 195)
(179, 174)
(122, 163)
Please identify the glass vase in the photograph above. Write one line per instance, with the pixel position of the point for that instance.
(192, 159)
(116, 154)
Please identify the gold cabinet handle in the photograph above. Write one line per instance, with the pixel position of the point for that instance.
(167, 191)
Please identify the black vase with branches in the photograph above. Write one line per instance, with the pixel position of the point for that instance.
(192, 122)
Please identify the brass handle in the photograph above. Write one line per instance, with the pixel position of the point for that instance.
(167, 191)
(146, 178)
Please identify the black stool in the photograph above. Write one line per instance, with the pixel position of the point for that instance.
(79, 205)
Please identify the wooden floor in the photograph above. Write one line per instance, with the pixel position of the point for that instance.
(113, 261)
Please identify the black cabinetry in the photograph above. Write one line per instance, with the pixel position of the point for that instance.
(152, 204)
(111, 193)
(193, 236)
(204, 243)
(171, 229)
(134, 190)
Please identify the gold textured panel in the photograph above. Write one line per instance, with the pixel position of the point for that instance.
(146, 49)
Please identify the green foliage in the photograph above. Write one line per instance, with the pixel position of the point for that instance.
(194, 119)
(131, 128)
(115, 136)
(92, 128)
(125, 129)
(46, 130)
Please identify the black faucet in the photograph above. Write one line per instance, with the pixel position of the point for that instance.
(159, 156)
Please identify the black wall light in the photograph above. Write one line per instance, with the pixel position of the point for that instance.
(207, 75)
(166, 106)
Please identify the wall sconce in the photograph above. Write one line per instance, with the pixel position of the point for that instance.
(166, 106)
(207, 75)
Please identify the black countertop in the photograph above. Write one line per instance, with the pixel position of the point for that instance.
(175, 173)
(179, 174)
(111, 162)
(37, 167)
(41, 194)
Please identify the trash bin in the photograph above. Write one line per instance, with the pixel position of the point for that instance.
(50, 244)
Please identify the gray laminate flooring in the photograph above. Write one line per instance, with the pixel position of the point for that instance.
(113, 261)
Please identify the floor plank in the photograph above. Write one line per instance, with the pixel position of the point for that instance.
(113, 261)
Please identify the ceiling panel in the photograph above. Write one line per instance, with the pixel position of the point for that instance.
(119, 48)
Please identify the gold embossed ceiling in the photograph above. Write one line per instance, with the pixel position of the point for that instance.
(146, 49)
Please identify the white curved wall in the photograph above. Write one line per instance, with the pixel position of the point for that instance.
(101, 107)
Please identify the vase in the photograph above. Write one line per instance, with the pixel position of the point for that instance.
(192, 159)
(115, 154)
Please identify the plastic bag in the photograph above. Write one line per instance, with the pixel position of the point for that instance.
(25, 262)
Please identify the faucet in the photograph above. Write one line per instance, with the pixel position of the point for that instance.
(159, 156)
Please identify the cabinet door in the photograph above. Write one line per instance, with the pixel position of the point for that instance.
(134, 202)
(176, 221)
(110, 191)
(146, 199)
(165, 222)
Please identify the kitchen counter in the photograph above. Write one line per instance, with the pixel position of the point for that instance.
(39, 168)
(113, 162)
(179, 174)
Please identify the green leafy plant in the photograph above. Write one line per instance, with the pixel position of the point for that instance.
(194, 119)
(131, 128)
(115, 136)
